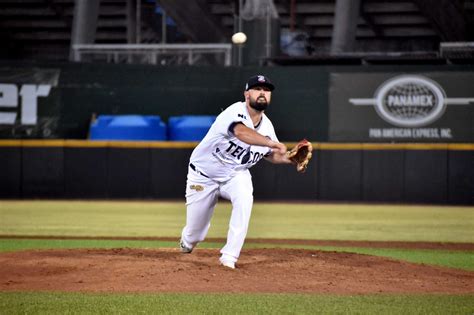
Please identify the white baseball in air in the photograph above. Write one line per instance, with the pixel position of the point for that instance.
(239, 38)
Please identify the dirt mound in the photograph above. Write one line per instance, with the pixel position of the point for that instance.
(259, 270)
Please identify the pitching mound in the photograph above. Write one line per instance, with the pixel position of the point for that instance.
(259, 270)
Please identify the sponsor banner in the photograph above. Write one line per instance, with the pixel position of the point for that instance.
(409, 107)
(29, 104)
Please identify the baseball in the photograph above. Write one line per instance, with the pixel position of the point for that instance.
(239, 38)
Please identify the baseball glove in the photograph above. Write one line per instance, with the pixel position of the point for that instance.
(301, 154)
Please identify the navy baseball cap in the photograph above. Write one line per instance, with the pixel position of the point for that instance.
(259, 80)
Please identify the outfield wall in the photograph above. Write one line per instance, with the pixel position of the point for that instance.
(426, 103)
(407, 173)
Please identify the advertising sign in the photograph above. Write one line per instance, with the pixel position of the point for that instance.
(29, 107)
(390, 107)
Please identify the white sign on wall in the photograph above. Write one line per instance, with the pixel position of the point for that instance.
(406, 107)
(27, 95)
(29, 107)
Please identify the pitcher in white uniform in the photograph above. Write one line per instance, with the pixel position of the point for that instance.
(219, 166)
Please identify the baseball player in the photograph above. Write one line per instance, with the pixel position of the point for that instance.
(219, 166)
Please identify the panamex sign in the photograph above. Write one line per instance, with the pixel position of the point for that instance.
(29, 106)
(29, 94)
(410, 101)
(409, 107)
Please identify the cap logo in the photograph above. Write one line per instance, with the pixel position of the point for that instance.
(261, 78)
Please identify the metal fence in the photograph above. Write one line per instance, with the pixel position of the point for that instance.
(456, 50)
(155, 54)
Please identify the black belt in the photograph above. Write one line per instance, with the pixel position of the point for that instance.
(196, 170)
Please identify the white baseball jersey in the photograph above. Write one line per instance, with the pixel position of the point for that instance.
(220, 154)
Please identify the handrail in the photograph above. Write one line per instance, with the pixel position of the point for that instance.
(152, 51)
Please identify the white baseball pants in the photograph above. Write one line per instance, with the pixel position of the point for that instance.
(200, 204)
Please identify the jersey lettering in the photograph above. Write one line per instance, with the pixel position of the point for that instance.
(257, 157)
(237, 151)
(231, 146)
(246, 156)
(240, 155)
(251, 157)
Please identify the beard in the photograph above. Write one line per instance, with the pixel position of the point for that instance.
(259, 105)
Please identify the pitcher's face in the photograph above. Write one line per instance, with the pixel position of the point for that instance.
(259, 97)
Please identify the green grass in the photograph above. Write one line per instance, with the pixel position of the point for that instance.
(85, 218)
(269, 220)
(9, 245)
(77, 303)
(452, 259)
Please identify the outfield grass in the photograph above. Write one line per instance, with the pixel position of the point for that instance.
(269, 220)
(77, 303)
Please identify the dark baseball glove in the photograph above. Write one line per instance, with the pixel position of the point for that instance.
(301, 154)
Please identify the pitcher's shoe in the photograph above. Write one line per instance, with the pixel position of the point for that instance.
(184, 249)
(227, 263)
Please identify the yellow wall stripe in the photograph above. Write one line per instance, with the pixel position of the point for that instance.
(42, 143)
(461, 146)
(340, 146)
(191, 145)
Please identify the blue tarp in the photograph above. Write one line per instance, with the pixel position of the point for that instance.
(189, 127)
(128, 127)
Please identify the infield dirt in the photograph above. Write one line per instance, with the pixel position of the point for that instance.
(259, 270)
